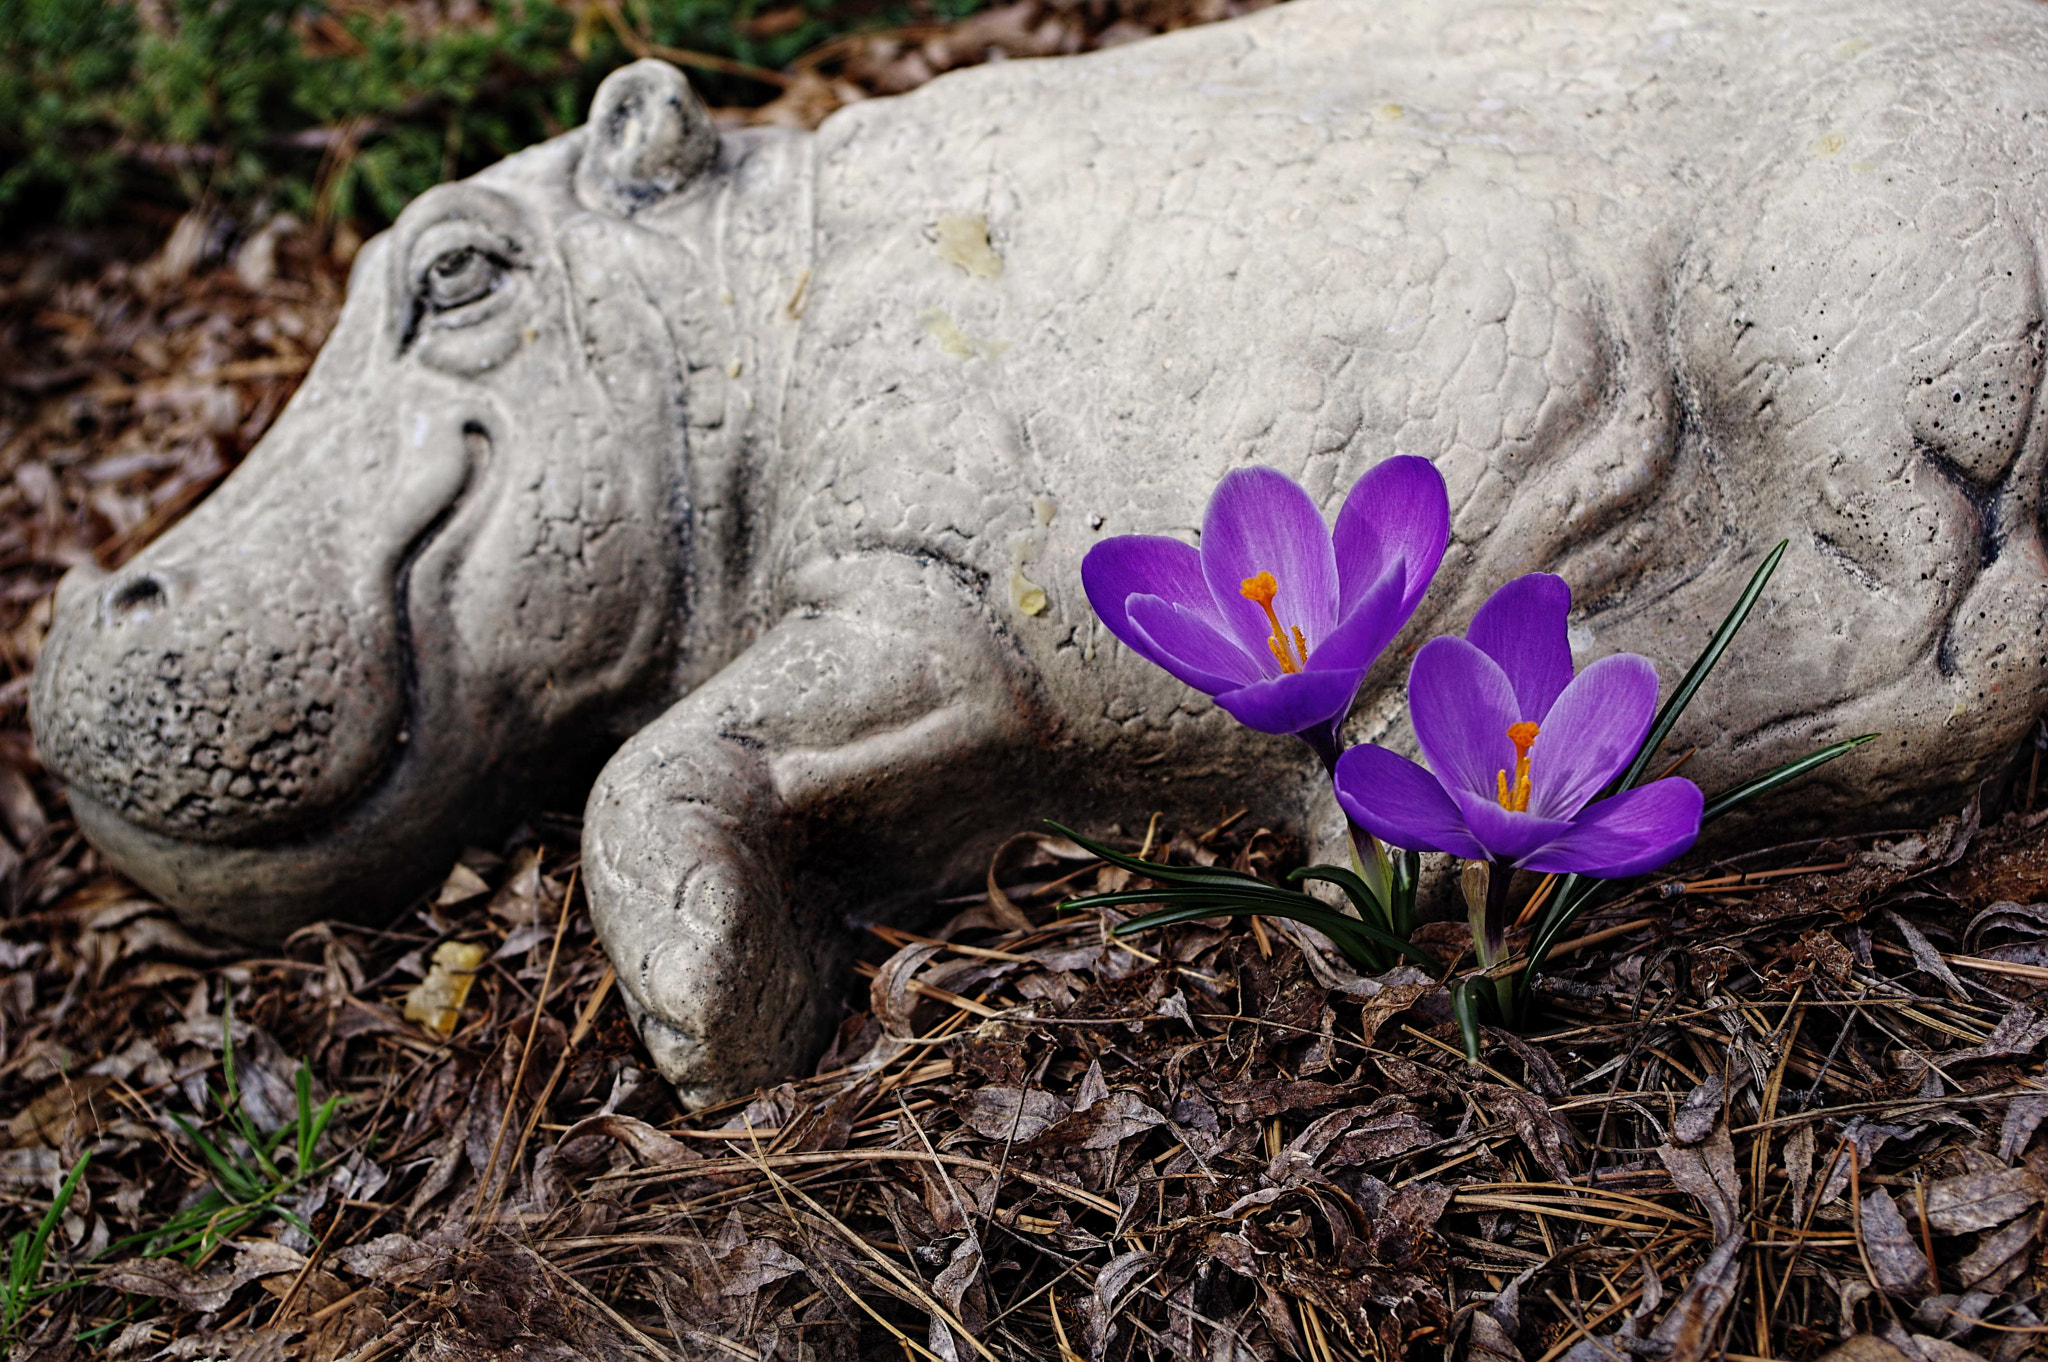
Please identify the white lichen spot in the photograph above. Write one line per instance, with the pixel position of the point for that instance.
(963, 241)
(1830, 144)
(955, 342)
(1580, 639)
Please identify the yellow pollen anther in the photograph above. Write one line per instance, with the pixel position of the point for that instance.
(1516, 799)
(1262, 589)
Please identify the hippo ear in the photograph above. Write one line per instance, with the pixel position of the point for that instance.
(648, 136)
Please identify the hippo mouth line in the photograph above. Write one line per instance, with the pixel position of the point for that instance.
(476, 447)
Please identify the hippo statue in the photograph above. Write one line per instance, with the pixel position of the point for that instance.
(762, 462)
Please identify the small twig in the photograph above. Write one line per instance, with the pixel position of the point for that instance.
(525, 1056)
(1577, 944)
(649, 1345)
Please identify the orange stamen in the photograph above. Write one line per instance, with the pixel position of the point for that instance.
(1516, 799)
(1262, 589)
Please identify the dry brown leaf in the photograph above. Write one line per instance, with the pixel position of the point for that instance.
(2000, 1257)
(1543, 1134)
(889, 995)
(1977, 1201)
(1688, 1333)
(1923, 1348)
(1896, 1261)
(70, 1110)
(1009, 1114)
(462, 885)
(2019, 1032)
(2023, 1116)
(1103, 1124)
(1700, 1112)
(435, 1002)
(1929, 959)
(755, 1265)
(1864, 1348)
(1706, 1172)
(648, 1144)
(391, 1258)
(199, 1288)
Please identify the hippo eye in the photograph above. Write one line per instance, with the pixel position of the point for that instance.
(460, 277)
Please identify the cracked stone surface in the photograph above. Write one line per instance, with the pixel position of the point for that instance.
(764, 463)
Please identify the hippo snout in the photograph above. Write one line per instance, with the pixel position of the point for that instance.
(194, 703)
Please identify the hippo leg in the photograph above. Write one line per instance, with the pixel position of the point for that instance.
(721, 843)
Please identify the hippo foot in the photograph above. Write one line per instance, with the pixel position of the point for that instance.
(727, 981)
(724, 845)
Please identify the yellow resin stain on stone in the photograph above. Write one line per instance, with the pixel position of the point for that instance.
(941, 327)
(1027, 595)
(963, 241)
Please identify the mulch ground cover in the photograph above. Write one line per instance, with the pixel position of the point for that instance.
(1786, 1103)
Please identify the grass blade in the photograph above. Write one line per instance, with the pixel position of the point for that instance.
(302, 1092)
(1355, 888)
(1157, 870)
(1465, 1007)
(1575, 893)
(1124, 898)
(1771, 780)
(1407, 877)
(26, 1252)
(1351, 935)
(1697, 674)
(227, 1170)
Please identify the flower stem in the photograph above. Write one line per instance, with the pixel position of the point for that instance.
(1369, 859)
(1492, 939)
(1322, 739)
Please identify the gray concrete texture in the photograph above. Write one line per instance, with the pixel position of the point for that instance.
(764, 462)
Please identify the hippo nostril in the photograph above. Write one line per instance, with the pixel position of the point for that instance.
(135, 597)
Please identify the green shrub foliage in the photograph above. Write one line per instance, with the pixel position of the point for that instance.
(341, 112)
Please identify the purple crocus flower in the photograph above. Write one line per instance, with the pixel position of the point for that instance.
(1518, 747)
(1276, 615)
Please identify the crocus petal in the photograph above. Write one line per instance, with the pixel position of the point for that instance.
(1507, 836)
(1522, 627)
(1366, 631)
(1398, 512)
(1635, 831)
(1288, 704)
(1261, 520)
(1142, 565)
(1591, 733)
(1186, 644)
(1461, 706)
(1397, 801)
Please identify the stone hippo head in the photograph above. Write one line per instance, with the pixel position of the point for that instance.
(463, 544)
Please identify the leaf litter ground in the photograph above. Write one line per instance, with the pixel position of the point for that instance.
(1777, 1112)
(1787, 1104)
